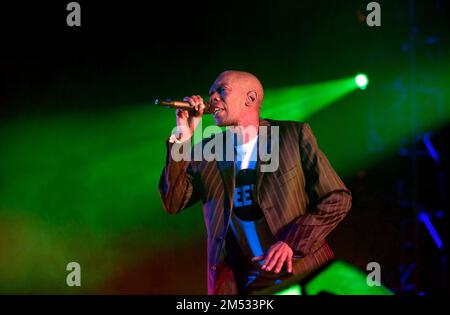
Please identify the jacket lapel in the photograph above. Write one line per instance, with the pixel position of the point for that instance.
(265, 142)
(227, 170)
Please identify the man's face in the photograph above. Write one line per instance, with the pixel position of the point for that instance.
(227, 99)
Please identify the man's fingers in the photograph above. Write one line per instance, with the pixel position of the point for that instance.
(273, 260)
(196, 102)
(198, 99)
(182, 113)
(272, 251)
(277, 255)
(280, 262)
(289, 264)
(268, 257)
(201, 106)
(191, 101)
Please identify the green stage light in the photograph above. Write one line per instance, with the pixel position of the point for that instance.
(302, 101)
(336, 278)
(361, 81)
(292, 290)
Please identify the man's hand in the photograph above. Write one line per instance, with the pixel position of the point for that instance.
(188, 120)
(278, 254)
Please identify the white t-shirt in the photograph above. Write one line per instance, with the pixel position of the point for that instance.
(246, 155)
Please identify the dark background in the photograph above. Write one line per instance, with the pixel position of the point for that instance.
(131, 51)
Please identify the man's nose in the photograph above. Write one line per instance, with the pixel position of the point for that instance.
(214, 98)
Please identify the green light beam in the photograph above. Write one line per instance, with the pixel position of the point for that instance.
(301, 102)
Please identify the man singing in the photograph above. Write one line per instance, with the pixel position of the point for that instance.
(263, 226)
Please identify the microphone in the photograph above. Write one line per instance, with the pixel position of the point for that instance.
(182, 105)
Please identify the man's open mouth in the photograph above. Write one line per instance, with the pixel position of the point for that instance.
(217, 110)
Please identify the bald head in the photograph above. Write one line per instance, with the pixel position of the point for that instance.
(248, 83)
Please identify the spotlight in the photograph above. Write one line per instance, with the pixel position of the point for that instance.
(361, 81)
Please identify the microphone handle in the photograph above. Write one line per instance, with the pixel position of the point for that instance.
(181, 105)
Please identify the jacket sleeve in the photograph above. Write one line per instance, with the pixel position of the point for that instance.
(329, 199)
(177, 185)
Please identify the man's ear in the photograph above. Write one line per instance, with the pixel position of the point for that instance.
(251, 98)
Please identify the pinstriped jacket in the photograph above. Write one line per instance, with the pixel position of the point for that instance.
(302, 201)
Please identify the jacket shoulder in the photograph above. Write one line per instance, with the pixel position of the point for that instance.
(287, 125)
